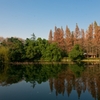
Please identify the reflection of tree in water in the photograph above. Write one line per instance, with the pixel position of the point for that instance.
(68, 80)
(10, 75)
(51, 84)
(59, 85)
(62, 78)
(64, 82)
(30, 73)
(92, 80)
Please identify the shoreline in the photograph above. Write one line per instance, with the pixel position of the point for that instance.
(59, 62)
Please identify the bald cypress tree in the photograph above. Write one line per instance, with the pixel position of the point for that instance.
(50, 37)
(68, 39)
(97, 38)
(55, 35)
(61, 39)
(82, 39)
(89, 39)
(76, 35)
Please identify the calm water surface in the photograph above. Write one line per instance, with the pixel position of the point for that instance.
(50, 82)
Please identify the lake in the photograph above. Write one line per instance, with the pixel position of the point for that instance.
(50, 82)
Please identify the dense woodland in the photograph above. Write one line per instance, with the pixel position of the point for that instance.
(60, 44)
(29, 50)
(88, 40)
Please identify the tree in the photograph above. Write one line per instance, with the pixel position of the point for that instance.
(50, 37)
(89, 39)
(76, 35)
(35, 50)
(68, 39)
(61, 42)
(4, 54)
(97, 40)
(76, 53)
(59, 38)
(16, 50)
(52, 53)
(55, 35)
(42, 45)
(33, 37)
(82, 39)
(31, 50)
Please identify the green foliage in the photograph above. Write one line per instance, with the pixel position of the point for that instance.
(76, 53)
(29, 49)
(4, 55)
(16, 50)
(31, 73)
(32, 50)
(42, 45)
(52, 53)
(77, 69)
(41, 49)
(33, 37)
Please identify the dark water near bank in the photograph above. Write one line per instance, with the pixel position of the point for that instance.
(50, 82)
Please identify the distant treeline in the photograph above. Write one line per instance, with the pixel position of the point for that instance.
(59, 44)
(32, 49)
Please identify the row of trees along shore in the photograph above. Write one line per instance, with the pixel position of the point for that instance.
(88, 40)
(18, 50)
(59, 45)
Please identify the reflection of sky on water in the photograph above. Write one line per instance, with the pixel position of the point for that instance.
(25, 91)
